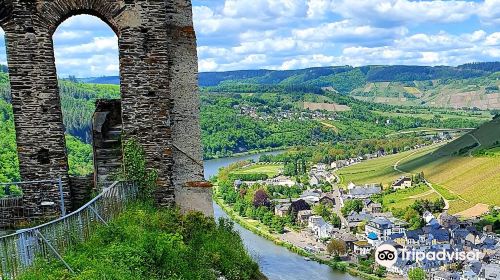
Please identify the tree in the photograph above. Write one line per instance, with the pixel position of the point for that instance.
(336, 247)
(355, 205)
(416, 274)
(380, 271)
(277, 224)
(335, 220)
(322, 210)
(413, 218)
(261, 198)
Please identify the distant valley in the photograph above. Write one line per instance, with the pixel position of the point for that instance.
(473, 85)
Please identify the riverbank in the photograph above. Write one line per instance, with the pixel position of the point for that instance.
(252, 152)
(350, 268)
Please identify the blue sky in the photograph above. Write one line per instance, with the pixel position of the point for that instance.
(291, 34)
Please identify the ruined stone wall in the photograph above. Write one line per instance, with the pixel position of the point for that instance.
(81, 190)
(11, 212)
(158, 67)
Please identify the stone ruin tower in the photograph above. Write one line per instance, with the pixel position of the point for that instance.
(159, 105)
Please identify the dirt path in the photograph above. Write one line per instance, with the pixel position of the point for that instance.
(422, 194)
(475, 211)
(329, 125)
(446, 202)
(478, 142)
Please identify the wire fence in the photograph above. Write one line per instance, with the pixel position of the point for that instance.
(19, 250)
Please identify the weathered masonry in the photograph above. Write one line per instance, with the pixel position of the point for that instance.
(160, 105)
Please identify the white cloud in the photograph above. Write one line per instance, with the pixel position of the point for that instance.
(207, 65)
(384, 12)
(317, 8)
(489, 12)
(69, 35)
(314, 60)
(347, 30)
(264, 8)
(98, 44)
(493, 39)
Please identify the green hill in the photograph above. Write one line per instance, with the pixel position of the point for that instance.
(464, 172)
(460, 171)
(466, 86)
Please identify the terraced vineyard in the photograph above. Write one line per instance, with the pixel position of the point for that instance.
(468, 182)
(472, 179)
(380, 170)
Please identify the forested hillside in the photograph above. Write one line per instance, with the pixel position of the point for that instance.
(249, 110)
(474, 85)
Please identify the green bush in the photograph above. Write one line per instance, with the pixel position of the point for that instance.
(135, 167)
(149, 243)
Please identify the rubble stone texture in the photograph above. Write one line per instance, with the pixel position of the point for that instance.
(160, 105)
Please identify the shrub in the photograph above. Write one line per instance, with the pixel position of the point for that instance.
(150, 243)
(135, 167)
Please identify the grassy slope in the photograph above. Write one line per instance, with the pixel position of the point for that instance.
(455, 93)
(271, 170)
(464, 180)
(149, 243)
(473, 179)
(402, 199)
(380, 170)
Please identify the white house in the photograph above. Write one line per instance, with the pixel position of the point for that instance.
(281, 181)
(429, 218)
(402, 183)
(313, 180)
(334, 165)
(362, 248)
(319, 227)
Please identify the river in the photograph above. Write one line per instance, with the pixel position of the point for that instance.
(276, 262)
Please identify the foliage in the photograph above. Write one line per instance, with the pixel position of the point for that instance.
(9, 165)
(327, 214)
(336, 247)
(150, 243)
(135, 167)
(416, 274)
(261, 199)
(355, 205)
(79, 156)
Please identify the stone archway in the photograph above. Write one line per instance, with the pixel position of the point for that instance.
(158, 70)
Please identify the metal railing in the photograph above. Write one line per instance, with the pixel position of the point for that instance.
(19, 250)
(57, 181)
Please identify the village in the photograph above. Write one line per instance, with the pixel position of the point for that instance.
(362, 224)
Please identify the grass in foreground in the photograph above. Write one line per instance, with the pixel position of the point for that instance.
(149, 243)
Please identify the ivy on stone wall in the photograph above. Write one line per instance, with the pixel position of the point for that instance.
(135, 168)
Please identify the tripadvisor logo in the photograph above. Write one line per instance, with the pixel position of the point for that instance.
(386, 255)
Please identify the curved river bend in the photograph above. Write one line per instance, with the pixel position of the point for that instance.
(276, 262)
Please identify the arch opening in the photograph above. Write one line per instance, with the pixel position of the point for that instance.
(9, 162)
(87, 63)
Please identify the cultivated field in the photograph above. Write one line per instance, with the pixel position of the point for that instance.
(332, 107)
(271, 170)
(467, 180)
(404, 198)
(380, 170)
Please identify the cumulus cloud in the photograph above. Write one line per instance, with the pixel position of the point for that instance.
(289, 34)
(397, 12)
(85, 46)
(347, 31)
(303, 33)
